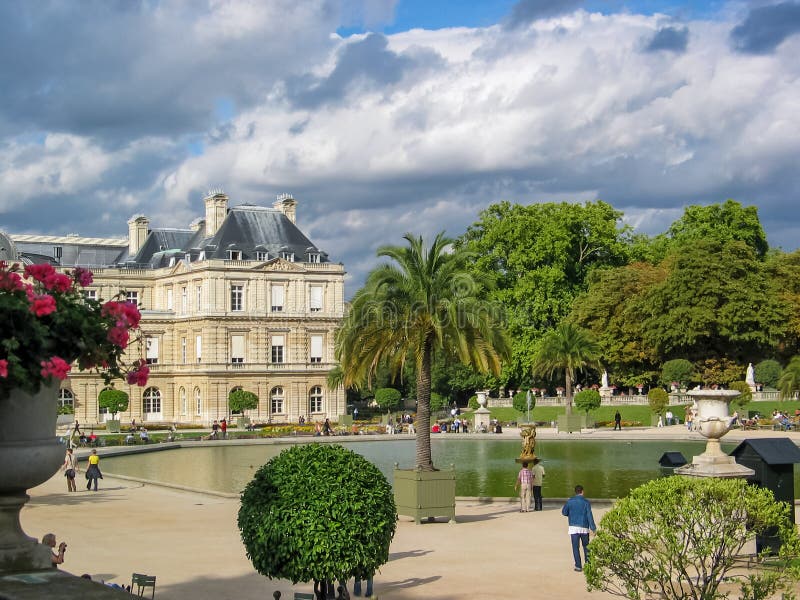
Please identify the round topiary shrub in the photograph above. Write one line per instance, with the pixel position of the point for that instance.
(473, 402)
(114, 401)
(317, 512)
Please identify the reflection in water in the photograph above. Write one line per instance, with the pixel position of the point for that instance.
(484, 467)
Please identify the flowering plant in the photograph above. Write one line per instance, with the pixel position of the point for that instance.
(47, 324)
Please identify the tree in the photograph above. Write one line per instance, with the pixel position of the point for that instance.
(768, 372)
(424, 301)
(567, 348)
(658, 400)
(388, 398)
(677, 370)
(292, 531)
(744, 397)
(240, 400)
(680, 537)
(720, 371)
(113, 400)
(587, 400)
(789, 383)
(520, 401)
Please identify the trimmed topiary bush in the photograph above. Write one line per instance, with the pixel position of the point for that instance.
(658, 400)
(388, 398)
(114, 401)
(587, 400)
(768, 373)
(473, 402)
(317, 512)
(239, 401)
(520, 401)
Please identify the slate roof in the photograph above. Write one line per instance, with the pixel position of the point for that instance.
(773, 451)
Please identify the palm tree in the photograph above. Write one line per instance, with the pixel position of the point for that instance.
(424, 301)
(566, 348)
(789, 383)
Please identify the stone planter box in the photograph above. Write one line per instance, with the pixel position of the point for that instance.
(425, 494)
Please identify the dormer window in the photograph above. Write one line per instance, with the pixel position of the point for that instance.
(288, 256)
(262, 255)
(187, 257)
(202, 255)
(234, 255)
(314, 257)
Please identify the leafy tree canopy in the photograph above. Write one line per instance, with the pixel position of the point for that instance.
(113, 400)
(587, 400)
(677, 370)
(768, 372)
(680, 537)
(719, 371)
(292, 531)
(240, 400)
(388, 398)
(658, 400)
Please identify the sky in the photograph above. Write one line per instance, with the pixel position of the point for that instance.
(383, 117)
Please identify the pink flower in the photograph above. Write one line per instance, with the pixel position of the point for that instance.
(9, 281)
(48, 277)
(125, 313)
(119, 336)
(58, 282)
(83, 277)
(39, 272)
(55, 367)
(43, 305)
(3, 368)
(139, 374)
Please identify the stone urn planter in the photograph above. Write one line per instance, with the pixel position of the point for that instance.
(30, 454)
(425, 494)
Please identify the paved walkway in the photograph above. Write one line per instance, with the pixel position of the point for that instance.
(191, 543)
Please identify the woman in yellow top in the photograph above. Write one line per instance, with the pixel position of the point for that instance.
(93, 472)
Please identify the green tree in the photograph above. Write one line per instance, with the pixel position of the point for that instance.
(768, 372)
(540, 256)
(520, 401)
(587, 400)
(658, 400)
(720, 371)
(680, 537)
(789, 383)
(744, 397)
(240, 400)
(677, 370)
(292, 531)
(113, 400)
(388, 398)
(424, 301)
(566, 349)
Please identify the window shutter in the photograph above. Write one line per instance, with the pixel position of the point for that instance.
(237, 346)
(315, 297)
(277, 295)
(316, 347)
(152, 348)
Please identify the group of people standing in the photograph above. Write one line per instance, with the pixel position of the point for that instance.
(70, 468)
(529, 482)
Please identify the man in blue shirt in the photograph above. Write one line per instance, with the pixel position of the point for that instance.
(578, 510)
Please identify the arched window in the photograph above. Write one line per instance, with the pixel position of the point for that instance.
(184, 405)
(198, 402)
(276, 400)
(151, 401)
(315, 399)
(66, 401)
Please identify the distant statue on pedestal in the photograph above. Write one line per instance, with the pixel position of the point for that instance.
(604, 379)
(750, 379)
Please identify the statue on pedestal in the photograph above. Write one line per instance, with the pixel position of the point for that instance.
(528, 434)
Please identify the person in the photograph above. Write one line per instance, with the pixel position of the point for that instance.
(143, 435)
(172, 431)
(92, 438)
(223, 427)
(435, 428)
(70, 467)
(411, 429)
(464, 426)
(617, 421)
(660, 421)
(326, 428)
(355, 414)
(578, 511)
(301, 420)
(669, 417)
(536, 482)
(357, 587)
(523, 484)
(317, 429)
(93, 472)
(214, 429)
(57, 558)
(735, 418)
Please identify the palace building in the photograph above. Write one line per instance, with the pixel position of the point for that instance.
(239, 299)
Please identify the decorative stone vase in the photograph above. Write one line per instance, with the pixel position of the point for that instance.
(30, 454)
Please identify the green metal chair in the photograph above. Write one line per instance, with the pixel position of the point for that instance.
(140, 583)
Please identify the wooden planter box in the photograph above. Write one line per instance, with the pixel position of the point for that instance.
(425, 494)
(113, 426)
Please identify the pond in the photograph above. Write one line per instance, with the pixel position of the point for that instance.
(484, 467)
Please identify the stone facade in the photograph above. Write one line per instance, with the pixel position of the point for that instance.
(259, 317)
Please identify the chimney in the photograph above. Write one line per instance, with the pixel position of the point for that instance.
(216, 210)
(287, 205)
(137, 233)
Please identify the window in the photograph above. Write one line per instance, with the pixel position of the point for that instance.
(313, 257)
(277, 298)
(315, 399)
(169, 299)
(184, 301)
(315, 355)
(237, 297)
(58, 252)
(276, 399)
(182, 395)
(151, 343)
(183, 350)
(234, 255)
(198, 346)
(151, 401)
(90, 294)
(187, 257)
(198, 401)
(288, 256)
(198, 292)
(277, 348)
(202, 255)
(237, 348)
(66, 400)
(132, 297)
(262, 255)
(315, 298)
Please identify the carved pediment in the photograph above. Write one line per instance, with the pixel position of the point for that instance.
(179, 267)
(279, 264)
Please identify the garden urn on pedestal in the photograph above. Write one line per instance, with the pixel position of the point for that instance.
(482, 415)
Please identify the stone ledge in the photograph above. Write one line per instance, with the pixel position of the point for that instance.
(54, 584)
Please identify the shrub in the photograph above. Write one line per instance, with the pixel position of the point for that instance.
(587, 400)
(438, 402)
(768, 372)
(473, 402)
(317, 512)
(240, 401)
(658, 400)
(114, 401)
(520, 402)
(388, 398)
(679, 537)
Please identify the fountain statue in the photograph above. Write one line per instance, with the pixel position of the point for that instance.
(713, 417)
(527, 432)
